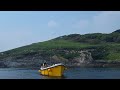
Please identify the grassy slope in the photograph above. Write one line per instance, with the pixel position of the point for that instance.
(45, 48)
(104, 51)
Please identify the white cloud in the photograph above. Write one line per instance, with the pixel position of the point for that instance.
(52, 24)
(12, 39)
(17, 38)
(106, 21)
(82, 24)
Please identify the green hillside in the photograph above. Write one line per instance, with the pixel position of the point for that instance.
(102, 46)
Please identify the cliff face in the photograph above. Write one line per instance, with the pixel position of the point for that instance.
(83, 58)
(72, 50)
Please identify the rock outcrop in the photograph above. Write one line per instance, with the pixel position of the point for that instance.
(84, 58)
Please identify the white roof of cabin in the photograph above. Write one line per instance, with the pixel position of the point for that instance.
(52, 66)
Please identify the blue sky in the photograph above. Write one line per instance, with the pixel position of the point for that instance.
(19, 28)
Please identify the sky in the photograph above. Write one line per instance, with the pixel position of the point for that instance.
(20, 28)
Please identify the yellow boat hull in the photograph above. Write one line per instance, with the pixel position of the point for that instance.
(53, 71)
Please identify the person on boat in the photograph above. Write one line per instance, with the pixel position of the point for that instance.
(44, 65)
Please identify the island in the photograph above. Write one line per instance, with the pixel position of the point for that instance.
(74, 50)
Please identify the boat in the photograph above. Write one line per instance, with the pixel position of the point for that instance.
(53, 70)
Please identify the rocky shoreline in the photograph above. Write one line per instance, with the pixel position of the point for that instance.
(8, 64)
(83, 60)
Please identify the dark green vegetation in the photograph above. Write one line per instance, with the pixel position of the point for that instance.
(102, 47)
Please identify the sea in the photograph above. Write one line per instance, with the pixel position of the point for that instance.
(70, 73)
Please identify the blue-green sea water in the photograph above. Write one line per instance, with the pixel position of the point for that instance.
(70, 73)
